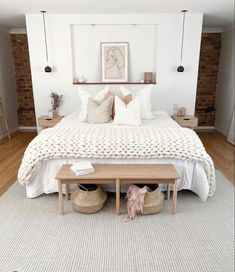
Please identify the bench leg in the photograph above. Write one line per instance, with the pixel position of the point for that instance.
(61, 200)
(174, 201)
(168, 191)
(67, 191)
(118, 196)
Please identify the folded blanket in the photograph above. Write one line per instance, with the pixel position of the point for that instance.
(115, 143)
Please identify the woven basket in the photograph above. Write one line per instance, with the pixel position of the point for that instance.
(88, 201)
(153, 202)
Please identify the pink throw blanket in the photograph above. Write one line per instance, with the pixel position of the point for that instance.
(135, 201)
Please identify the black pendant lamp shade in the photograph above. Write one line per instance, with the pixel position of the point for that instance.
(47, 69)
(181, 68)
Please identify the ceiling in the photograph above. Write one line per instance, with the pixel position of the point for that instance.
(217, 13)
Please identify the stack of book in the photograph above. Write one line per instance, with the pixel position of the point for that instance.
(82, 167)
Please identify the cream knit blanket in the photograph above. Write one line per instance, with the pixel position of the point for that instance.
(115, 143)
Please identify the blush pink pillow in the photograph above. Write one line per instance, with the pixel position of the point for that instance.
(126, 99)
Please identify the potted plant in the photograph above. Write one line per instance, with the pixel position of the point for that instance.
(55, 103)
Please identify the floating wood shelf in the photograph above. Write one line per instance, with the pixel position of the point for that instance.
(114, 83)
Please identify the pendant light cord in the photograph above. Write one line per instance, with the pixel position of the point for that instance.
(45, 33)
(182, 41)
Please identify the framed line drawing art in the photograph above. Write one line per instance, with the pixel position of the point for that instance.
(114, 59)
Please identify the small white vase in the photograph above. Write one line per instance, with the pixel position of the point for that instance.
(50, 114)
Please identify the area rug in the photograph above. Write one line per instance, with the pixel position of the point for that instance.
(199, 237)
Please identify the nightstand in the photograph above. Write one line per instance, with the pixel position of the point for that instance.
(186, 121)
(44, 122)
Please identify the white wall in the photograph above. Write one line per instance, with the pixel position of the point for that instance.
(7, 82)
(86, 49)
(225, 86)
(171, 88)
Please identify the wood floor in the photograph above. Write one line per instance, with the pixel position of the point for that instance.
(11, 153)
(221, 152)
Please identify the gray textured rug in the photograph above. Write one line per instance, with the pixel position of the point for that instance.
(35, 238)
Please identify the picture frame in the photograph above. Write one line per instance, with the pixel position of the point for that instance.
(114, 61)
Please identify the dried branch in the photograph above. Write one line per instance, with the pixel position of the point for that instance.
(55, 100)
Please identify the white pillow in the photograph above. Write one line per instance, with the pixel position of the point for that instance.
(85, 95)
(127, 114)
(145, 100)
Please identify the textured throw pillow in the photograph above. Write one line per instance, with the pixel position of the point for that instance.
(98, 113)
(145, 100)
(127, 114)
(84, 96)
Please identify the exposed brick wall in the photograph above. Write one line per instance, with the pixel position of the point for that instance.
(207, 78)
(26, 111)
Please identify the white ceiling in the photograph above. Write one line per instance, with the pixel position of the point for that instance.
(217, 13)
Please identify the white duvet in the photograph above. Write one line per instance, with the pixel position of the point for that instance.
(193, 174)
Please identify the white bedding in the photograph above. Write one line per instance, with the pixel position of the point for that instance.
(161, 119)
(193, 174)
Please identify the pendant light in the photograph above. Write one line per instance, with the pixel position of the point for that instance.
(181, 68)
(47, 69)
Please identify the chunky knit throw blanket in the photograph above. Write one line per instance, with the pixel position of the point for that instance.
(115, 143)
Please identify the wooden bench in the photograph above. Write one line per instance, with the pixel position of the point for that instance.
(121, 174)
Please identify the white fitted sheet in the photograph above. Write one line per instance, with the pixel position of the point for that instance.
(192, 173)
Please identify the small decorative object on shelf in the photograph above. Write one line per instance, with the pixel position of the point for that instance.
(148, 77)
(75, 80)
(81, 79)
(55, 103)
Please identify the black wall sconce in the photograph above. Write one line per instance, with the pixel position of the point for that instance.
(47, 69)
(181, 68)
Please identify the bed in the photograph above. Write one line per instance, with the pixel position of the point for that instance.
(193, 173)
